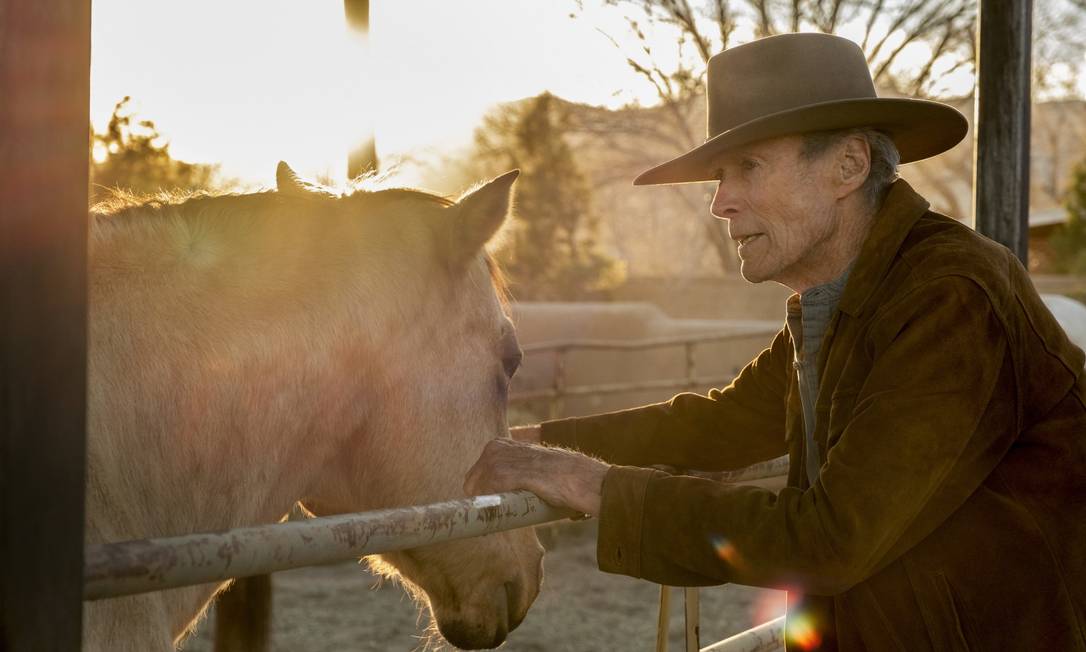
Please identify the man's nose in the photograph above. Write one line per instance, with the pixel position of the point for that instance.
(725, 203)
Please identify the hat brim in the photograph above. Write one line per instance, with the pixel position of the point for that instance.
(919, 128)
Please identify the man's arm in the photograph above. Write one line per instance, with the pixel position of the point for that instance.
(730, 428)
(931, 421)
(726, 429)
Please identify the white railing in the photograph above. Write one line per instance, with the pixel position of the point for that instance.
(766, 637)
(558, 390)
(129, 567)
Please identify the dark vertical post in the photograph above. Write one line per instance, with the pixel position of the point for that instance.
(691, 367)
(692, 612)
(558, 398)
(44, 142)
(663, 620)
(243, 616)
(363, 158)
(1001, 186)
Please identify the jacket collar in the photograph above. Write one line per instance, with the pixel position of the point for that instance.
(899, 212)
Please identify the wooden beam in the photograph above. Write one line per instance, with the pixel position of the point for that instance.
(243, 620)
(358, 14)
(363, 158)
(1001, 187)
(44, 142)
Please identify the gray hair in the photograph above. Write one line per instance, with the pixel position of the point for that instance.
(884, 157)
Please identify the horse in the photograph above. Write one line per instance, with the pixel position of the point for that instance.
(347, 352)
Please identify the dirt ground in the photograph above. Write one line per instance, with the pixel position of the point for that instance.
(345, 608)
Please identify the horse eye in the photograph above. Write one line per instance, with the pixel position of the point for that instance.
(511, 363)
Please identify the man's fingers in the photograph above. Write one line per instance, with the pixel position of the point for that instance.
(560, 477)
(486, 475)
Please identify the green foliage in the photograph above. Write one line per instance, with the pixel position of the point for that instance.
(551, 251)
(131, 155)
(1069, 242)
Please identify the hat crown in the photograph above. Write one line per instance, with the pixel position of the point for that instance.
(782, 73)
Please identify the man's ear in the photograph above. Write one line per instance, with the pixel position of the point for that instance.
(853, 165)
(477, 216)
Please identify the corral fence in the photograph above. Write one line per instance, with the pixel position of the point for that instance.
(559, 390)
(131, 567)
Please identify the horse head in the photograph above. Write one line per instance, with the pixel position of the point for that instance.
(439, 353)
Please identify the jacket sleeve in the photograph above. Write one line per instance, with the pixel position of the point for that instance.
(930, 422)
(726, 429)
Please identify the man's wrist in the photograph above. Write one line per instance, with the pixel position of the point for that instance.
(588, 486)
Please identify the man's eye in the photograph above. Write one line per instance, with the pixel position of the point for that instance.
(749, 164)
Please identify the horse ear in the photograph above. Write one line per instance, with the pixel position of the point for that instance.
(288, 183)
(478, 216)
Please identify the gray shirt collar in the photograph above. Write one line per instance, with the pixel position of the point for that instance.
(809, 314)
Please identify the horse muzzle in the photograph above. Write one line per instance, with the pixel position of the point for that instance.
(490, 631)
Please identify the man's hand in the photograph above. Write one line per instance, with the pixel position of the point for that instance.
(560, 477)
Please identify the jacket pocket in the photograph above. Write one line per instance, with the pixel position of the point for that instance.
(939, 608)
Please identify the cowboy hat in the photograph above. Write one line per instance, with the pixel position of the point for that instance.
(801, 83)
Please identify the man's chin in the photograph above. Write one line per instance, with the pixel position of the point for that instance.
(750, 275)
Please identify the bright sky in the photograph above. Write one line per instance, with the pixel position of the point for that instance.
(247, 83)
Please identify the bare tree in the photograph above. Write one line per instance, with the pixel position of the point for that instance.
(889, 31)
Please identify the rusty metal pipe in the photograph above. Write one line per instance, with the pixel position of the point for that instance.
(129, 567)
(767, 637)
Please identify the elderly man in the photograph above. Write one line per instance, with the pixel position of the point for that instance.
(932, 408)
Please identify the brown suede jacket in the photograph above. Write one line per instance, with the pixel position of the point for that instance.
(950, 513)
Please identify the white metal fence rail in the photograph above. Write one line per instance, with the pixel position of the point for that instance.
(116, 569)
(559, 388)
(766, 637)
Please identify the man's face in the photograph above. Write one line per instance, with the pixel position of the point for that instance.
(780, 208)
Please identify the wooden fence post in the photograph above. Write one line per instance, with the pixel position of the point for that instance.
(691, 367)
(44, 143)
(557, 404)
(243, 616)
(1001, 132)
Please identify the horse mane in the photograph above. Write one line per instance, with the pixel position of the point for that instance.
(119, 201)
(121, 204)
